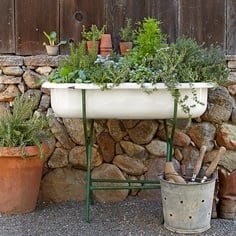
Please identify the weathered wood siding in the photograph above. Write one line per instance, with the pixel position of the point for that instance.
(23, 21)
(32, 18)
(7, 26)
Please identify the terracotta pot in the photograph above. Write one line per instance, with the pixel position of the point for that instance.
(106, 45)
(19, 179)
(52, 50)
(125, 47)
(92, 46)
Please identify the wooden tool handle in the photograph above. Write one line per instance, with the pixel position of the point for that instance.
(215, 162)
(198, 164)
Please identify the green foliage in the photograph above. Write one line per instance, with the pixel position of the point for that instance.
(94, 33)
(72, 69)
(183, 61)
(127, 33)
(180, 62)
(20, 127)
(149, 38)
(52, 38)
(187, 61)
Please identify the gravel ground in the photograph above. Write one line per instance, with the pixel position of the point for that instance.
(132, 217)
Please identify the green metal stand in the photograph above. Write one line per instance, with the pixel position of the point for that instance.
(88, 134)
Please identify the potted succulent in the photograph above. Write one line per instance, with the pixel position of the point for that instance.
(23, 145)
(127, 36)
(92, 37)
(154, 80)
(52, 46)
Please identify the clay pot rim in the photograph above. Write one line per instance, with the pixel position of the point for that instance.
(23, 152)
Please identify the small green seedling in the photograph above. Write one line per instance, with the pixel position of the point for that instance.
(52, 38)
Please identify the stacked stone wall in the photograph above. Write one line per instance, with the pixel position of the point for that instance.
(123, 149)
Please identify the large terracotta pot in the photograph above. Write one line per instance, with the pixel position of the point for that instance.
(19, 179)
(106, 45)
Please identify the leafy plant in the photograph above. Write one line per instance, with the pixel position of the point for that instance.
(187, 61)
(52, 38)
(73, 68)
(127, 33)
(94, 33)
(180, 62)
(20, 127)
(149, 38)
(154, 62)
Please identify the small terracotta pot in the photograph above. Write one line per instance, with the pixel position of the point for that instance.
(125, 47)
(92, 46)
(106, 45)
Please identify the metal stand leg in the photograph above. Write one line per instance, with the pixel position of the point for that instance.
(88, 136)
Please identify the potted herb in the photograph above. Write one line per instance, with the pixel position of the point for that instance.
(22, 148)
(52, 46)
(149, 38)
(92, 37)
(127, 36)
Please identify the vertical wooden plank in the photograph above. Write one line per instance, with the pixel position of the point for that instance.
(203, 20)
(167, 12)
(76, 13)
(7, 33)
(32, 18)
(118, 10)
(231, 28)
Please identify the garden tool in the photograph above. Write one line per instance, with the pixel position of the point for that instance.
(179, 157)
(213, 164)
(198, 164)
(171, 174)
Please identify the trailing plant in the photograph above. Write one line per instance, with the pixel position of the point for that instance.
(52, 39)
(94, 33)
(127, 34)
(21, 127)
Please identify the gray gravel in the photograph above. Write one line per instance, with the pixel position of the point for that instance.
(133, 217)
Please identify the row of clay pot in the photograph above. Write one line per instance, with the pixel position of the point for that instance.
(105, 46)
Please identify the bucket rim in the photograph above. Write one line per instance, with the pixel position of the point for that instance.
(208, 181)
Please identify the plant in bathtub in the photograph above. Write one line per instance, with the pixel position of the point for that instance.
(174, 80)
(181, 71)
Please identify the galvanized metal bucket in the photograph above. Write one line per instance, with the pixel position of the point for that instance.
(187, 207)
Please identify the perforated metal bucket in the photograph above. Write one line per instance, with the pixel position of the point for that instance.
(187, 207)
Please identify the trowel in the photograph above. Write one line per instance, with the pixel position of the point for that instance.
(198, 164)
(171, 175)
(213, 164)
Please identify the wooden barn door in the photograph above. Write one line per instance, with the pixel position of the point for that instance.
(22, 22)
(76, 13)
(32, 18)
(7, 25)
(203, 20)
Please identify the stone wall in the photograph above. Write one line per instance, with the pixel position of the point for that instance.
(122, 149)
